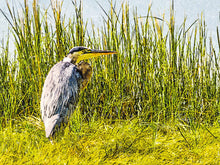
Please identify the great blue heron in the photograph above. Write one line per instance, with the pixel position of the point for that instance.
(62, 86)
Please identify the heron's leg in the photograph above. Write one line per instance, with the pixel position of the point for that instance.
(51, 141)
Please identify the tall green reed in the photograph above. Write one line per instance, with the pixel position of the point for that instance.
(157, 75)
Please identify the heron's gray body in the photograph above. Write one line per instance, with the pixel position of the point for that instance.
(63, 84)
(60, 92)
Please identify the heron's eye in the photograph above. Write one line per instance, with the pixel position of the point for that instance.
(86, 51)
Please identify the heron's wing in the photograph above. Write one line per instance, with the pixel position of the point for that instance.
(61, 87)
(50, 124)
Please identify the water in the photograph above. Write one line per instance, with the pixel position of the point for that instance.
(191, 9)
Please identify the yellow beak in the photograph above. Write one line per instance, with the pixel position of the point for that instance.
(94, 53)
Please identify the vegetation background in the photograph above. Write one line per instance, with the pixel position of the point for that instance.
(156, 101)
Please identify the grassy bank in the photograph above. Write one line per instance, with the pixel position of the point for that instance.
(124, 142)
(157, 100)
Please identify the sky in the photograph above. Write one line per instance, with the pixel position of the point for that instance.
(191, 9)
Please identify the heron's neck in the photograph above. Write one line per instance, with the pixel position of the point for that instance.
(71, 58)
(67, 59)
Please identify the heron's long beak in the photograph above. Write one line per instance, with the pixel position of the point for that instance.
(94, 53)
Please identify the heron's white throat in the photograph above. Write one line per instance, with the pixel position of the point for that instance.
(67, 59)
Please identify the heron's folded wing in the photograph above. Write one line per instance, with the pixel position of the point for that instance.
(50, 124)
(61, 88)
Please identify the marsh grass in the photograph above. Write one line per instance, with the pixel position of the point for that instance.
(156, 75)
(168, 80)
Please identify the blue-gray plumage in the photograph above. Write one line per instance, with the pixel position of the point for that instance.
(60, 91)
(62, 87)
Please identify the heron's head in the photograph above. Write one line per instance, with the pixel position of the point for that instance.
(80, 53)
